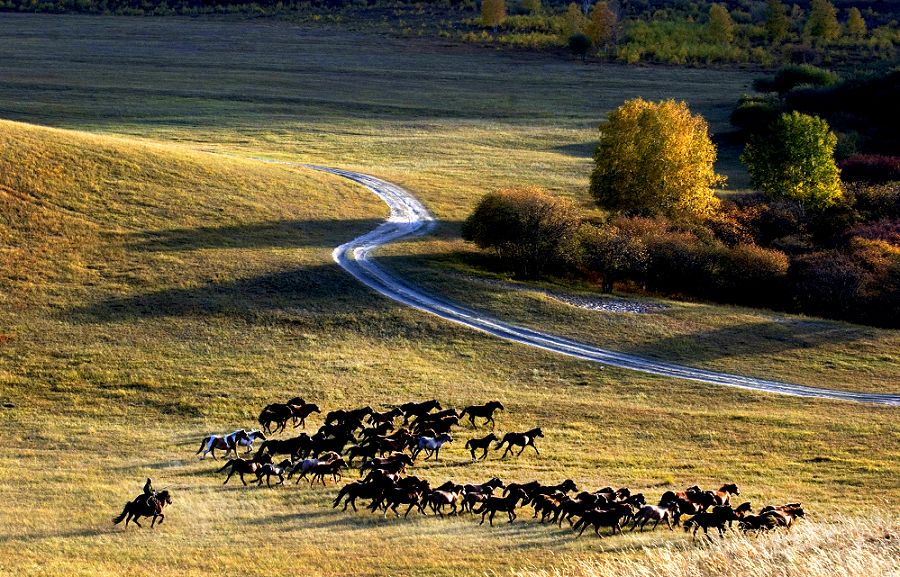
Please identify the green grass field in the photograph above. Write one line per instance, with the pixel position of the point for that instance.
(157, 284)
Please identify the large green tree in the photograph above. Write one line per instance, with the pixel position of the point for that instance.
(655, 158)
(794, 160)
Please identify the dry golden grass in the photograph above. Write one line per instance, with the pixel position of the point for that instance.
(152, 293)
(846, 547)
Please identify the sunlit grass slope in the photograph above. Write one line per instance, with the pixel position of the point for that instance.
(152, 295)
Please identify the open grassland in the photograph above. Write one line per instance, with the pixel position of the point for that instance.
(151, 293)
(449, 123)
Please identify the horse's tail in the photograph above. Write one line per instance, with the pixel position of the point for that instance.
(688, 523)
(500, 442)
(120, 518)
(463, 412)
(203, 444)
(226, 465)
(469, 444)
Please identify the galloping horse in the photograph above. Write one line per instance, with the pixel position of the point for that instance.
(523, 440)
(482, 444)
(485, 411)
(431, 446)
(299, 413)
(506, 504)
(228, 443)
(241, 466)
(141, 507)
(278, 413)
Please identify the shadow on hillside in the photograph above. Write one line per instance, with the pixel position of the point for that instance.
(577, 149)
(270, 234)
(319, 289)
(748, 339)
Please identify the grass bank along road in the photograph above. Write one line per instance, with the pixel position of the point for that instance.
(410, 218)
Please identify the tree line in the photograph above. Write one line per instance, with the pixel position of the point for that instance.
(804, 241)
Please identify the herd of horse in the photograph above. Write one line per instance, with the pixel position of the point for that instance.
(387, 443)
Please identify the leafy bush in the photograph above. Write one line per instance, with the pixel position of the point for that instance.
(755, 113)
(876, 201)
(612, 254)
(873, 168)
(790, 77)
(526, 227)
(828, 283)
(753, 275)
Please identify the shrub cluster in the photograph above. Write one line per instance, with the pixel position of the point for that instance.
(840, 262)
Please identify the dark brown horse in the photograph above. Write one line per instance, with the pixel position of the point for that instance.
(505, 504)
(299, 413)
(717, 518)
(611, 517)
(523, 440)
(411, 410)
(485, 411)
(482, 444)
(277, 413)
(145, 507)
(298, 446)
(243, 466)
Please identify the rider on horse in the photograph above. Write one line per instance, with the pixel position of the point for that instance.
(148, 496)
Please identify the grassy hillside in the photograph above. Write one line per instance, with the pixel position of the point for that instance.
(155, 288)
(211, 293)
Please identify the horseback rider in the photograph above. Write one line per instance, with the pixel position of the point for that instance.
(148, 497)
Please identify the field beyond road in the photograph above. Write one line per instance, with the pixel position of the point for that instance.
(157, 284)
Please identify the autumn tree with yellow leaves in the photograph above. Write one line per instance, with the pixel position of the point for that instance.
(656, 159)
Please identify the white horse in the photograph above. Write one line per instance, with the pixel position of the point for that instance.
(307, 465)
(228, 443)
(649, 513)
(431, 446)
(252, 436)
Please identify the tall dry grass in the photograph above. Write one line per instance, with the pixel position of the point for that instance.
(854, 547)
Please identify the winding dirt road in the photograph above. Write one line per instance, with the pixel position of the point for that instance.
(409, 218)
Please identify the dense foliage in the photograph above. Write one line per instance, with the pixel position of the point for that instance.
(695, 32)
(525, 227)
(794, 159)
(811, 244)
(674, 154)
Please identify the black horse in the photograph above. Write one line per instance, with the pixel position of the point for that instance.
(485, 411)
(523, 440)
(145, 507)
(482, 444)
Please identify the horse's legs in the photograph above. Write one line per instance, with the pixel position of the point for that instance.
(229, 476)
(408, 509)
(508, 447)
(520, 450)
(241, 473)
(437, 453)
(135, 520)
(533, 446)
